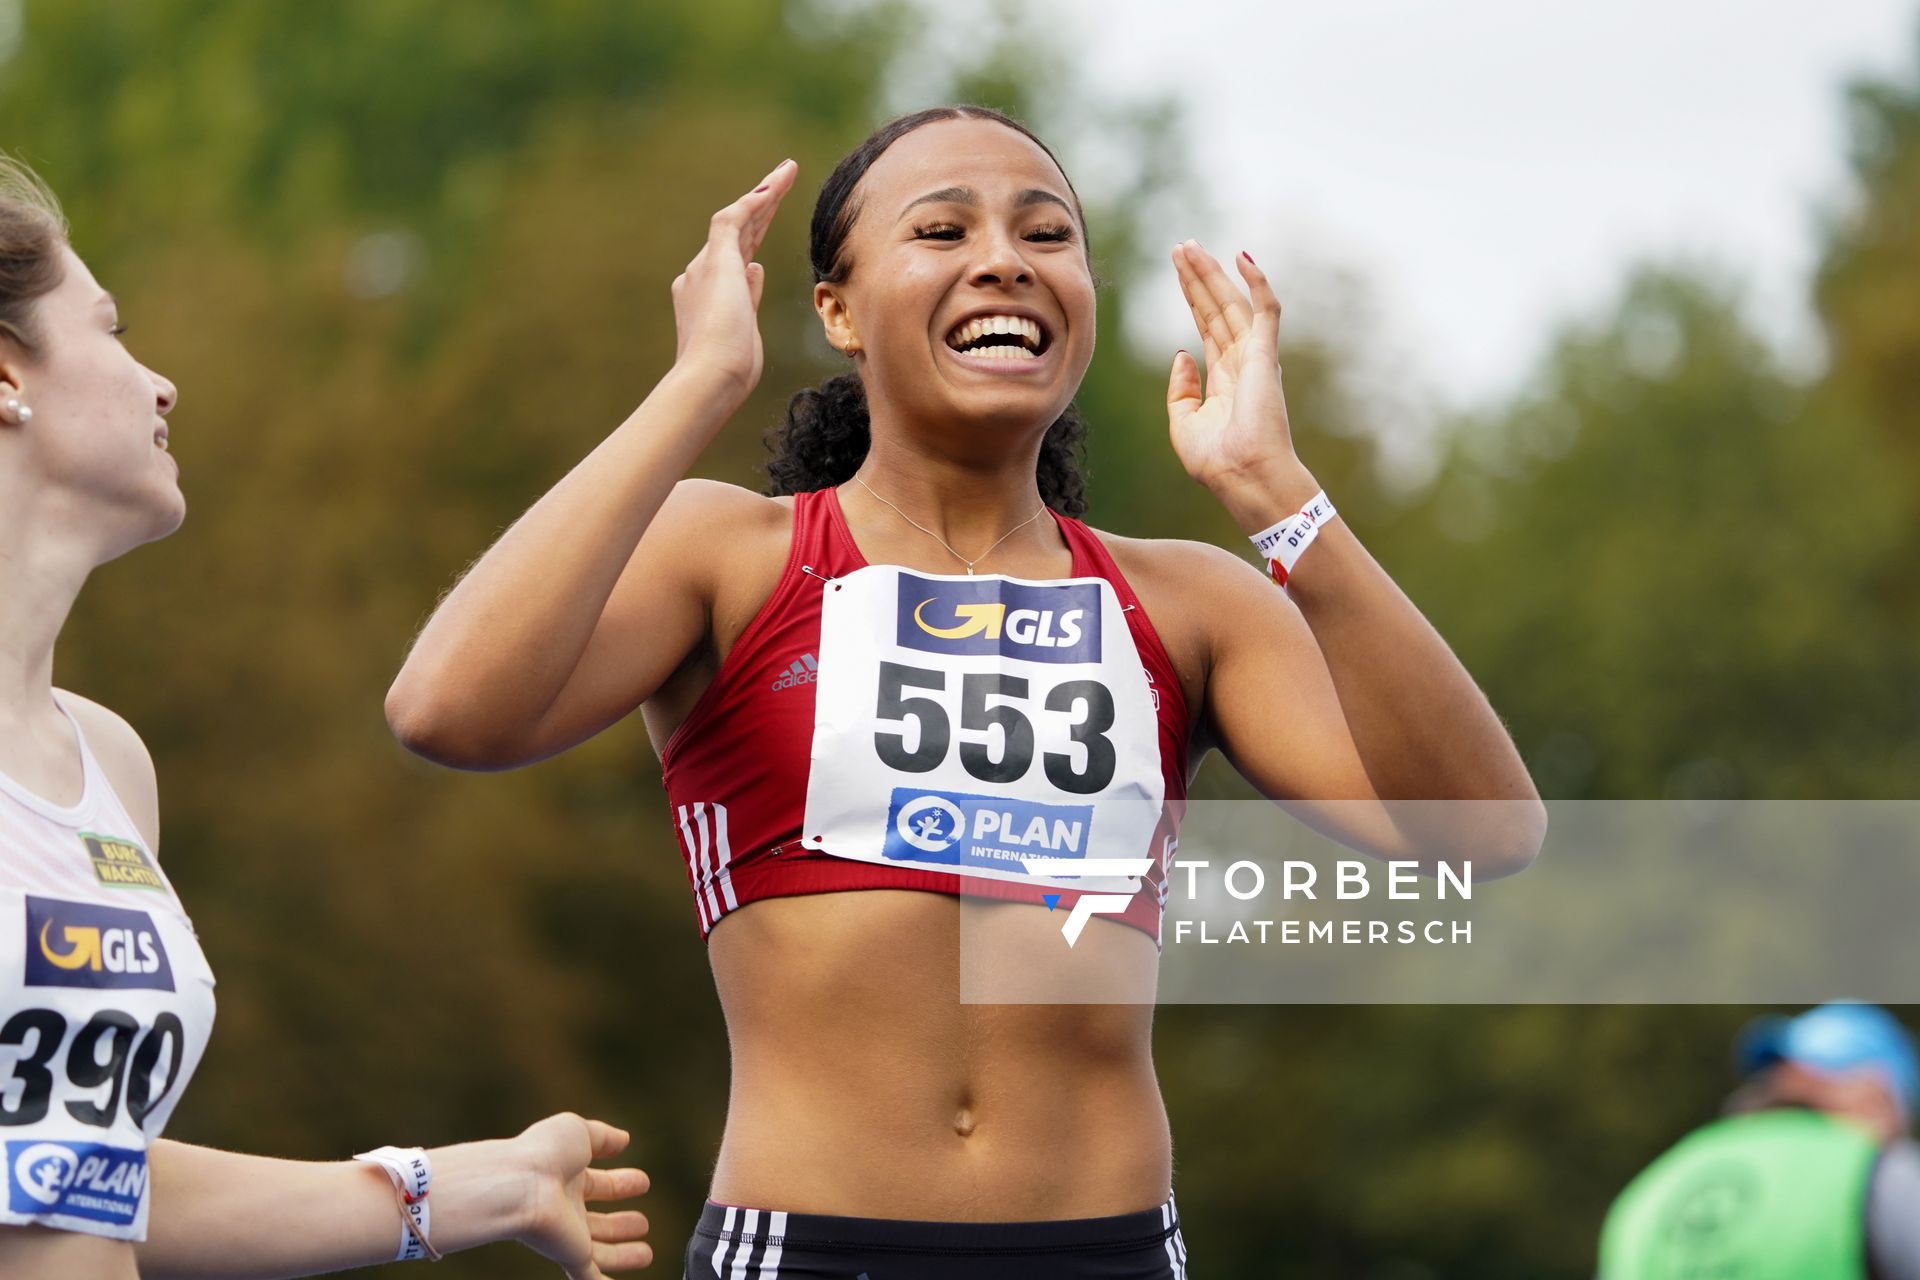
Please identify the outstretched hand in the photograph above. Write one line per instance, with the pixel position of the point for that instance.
(716, 300)
(587, 1243)
(1239, 424)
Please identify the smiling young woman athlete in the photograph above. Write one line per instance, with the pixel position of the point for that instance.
(915, 637)
(106, 1000)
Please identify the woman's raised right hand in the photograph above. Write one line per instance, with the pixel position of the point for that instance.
(716, 300)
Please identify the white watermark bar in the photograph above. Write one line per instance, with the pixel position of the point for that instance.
(1471, 902)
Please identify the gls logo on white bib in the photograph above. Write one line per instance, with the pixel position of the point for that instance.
(968, 724)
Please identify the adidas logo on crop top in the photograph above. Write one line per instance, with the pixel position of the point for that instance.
(939, 731)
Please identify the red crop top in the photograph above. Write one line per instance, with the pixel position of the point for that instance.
(736, 768)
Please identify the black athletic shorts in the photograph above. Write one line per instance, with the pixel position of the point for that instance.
(732, 1243)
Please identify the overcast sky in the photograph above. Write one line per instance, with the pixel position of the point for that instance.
(1490, 165)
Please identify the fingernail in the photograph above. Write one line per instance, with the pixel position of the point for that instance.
(762, 187)
(1248, 257)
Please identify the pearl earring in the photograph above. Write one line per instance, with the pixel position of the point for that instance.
(20, 413)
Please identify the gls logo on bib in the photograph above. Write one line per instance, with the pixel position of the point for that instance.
(990, 615)
(81, 944)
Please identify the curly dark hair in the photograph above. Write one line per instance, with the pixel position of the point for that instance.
(826, 432)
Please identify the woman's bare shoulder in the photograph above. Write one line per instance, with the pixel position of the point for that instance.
(1181, 566)
(713, 524)
(124, 757)
(1187, 588)
(704, 501)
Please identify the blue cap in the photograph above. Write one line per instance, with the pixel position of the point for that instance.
(1844, 1036)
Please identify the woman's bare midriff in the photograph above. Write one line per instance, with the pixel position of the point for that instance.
(862, 1085)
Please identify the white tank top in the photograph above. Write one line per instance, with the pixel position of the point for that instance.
(106, 1004)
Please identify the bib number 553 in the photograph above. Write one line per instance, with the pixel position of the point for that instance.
(1092, 701)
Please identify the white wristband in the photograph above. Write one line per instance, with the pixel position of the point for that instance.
(411, 1173)
(1284, 541)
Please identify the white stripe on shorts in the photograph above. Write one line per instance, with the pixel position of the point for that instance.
(720, 1246)
(776, 1235)
(748, 1227)
(1179, 1242)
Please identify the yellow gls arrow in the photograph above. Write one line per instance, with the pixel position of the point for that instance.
(86, 947)
(980, 618)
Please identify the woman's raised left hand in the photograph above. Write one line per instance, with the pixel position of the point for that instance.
(1238, 426)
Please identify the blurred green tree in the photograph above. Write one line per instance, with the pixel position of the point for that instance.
(407, 263)
(408, 260)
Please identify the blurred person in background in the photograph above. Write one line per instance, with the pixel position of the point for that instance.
(106, 999)
(792, 686)
(1811, 1174)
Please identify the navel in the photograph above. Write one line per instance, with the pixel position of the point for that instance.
(963, 1122)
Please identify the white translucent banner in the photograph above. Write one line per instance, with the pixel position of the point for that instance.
(1641, 902)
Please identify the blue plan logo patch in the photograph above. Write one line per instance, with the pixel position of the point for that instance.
(1058, 623)
(78, 1179)
(83, 944)
(991, 832)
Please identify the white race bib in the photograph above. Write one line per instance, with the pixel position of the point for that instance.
(105, 1009)
(965, 724)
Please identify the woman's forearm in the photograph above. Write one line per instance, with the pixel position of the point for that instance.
(218, 1215)
(1423, 728)
(503, 643)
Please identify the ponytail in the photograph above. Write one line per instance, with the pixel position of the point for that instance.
(32, 233)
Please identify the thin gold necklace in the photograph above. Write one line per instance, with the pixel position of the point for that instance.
(942, 541)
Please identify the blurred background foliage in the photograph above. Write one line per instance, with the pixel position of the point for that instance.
(409, 260)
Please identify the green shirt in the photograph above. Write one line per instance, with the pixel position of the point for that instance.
(1774, 1195)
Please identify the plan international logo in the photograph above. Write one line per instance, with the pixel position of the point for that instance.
(86, 1180)
(997, 832)
(1004, 834)
(1059, 623)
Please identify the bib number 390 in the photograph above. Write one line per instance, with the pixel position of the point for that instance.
(109, 1049)
(1093, 700)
